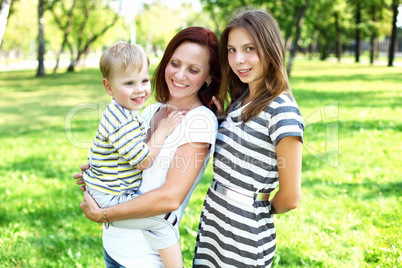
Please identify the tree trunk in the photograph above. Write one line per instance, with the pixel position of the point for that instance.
(391, 51)
(66, 28)
(358, 42)
(373, 40)
(293, 52)
(4, 12)
(338, 37)
(41, 42)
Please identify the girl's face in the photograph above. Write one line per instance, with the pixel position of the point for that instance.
(243, 57)
(187, 71)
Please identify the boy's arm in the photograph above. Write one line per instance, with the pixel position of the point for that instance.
(155, 143)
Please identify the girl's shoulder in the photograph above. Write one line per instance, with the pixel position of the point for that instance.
(283, 103)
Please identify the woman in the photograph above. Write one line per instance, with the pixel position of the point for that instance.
(186, 79)
(258, 146)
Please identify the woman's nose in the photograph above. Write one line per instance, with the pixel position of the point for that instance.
(180, 74)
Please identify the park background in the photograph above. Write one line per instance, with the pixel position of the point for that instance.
(345, 73)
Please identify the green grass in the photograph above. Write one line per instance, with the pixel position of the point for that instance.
(352, 182)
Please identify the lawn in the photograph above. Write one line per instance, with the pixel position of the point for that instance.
(351, 180)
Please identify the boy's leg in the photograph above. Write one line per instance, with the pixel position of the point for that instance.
(171, 256)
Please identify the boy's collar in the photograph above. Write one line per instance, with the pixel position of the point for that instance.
(135, 112)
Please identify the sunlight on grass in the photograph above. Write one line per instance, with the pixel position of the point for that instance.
(352, 184)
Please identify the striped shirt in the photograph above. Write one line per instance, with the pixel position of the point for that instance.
(232, 234)
(119, 146)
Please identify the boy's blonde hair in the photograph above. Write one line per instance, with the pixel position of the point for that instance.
(122, 56)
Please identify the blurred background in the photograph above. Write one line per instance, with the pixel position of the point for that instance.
(344, 58)
(65, 33)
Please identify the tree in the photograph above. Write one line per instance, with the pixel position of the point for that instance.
(4, 13)
(64, 21)
(301, 12)
(391, 52)
(87, 27)
(41, 39)
(357, 36)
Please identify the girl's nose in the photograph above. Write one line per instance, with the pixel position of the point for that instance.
(240, 58)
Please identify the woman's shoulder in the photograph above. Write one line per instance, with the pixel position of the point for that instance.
(202, 111)
(202, 116)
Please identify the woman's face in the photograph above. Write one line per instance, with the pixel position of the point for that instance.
(243, 57)
(187, 71)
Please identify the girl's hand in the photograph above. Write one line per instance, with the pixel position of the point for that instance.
(219, 106)
(78, 176)
(91, 209)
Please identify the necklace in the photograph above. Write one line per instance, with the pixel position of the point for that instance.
(185, 111)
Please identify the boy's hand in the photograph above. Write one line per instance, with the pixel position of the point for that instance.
(168, 124)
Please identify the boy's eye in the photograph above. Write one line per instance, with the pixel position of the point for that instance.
(129, 83)
(145, 81)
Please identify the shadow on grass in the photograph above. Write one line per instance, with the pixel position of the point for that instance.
(346, 99)
(41, 166)
(366, 77)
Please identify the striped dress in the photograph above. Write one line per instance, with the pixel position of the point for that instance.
(119, 145)
(232, 234)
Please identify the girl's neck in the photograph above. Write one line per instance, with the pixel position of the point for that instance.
(249, 97)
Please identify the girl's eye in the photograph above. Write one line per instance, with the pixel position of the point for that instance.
(250, 49)
(231, 50)
(130, 83)
(145, 81)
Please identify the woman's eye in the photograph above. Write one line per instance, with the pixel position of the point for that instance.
(174, 64)
(193, 71)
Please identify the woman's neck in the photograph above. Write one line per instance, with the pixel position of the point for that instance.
(186, 104)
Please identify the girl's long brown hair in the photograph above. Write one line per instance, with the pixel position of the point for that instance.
(265, 32)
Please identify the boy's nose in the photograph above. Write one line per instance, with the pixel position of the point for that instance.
(138, 89)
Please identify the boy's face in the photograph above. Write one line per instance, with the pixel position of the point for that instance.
(130, 89)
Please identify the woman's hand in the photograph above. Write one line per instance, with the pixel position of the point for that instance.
(78, 176)
(91, 209)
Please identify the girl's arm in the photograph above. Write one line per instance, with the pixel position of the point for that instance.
(183, 171)
(289, 155)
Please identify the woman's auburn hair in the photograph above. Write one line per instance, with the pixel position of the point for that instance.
(204, 38)
(265, 32)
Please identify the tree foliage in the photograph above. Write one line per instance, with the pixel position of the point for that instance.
(75, 27)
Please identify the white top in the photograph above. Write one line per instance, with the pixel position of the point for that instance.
(129, 247)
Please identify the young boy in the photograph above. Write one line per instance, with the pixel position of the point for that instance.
(119, 151)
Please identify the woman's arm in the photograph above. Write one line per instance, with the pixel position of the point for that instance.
(183, 170)
(78, 176)
(289, 155)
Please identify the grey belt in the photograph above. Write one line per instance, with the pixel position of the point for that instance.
(239, 195)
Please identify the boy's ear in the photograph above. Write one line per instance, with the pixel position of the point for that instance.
(107, 86)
